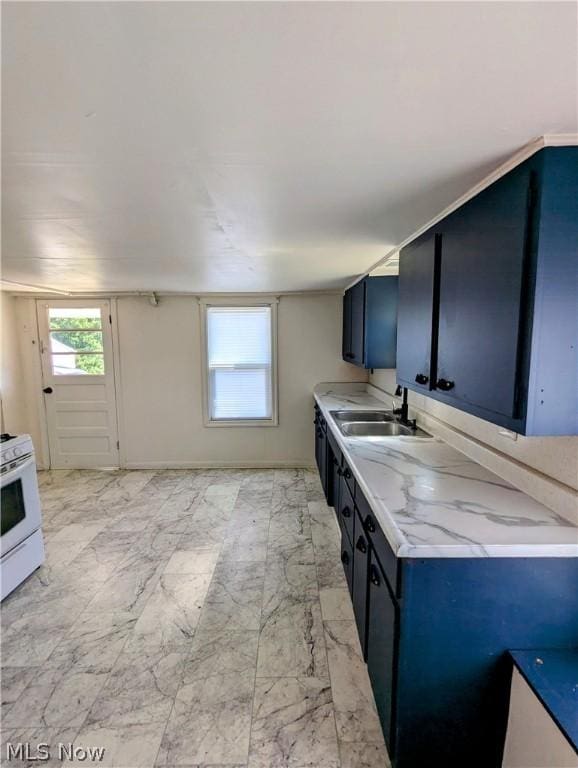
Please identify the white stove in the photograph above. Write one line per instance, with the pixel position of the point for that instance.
(21, 544)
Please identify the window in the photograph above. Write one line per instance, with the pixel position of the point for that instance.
(240, 354)
(76, 341)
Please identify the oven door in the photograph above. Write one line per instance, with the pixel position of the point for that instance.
(20, 507)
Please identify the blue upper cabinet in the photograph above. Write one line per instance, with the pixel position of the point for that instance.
(370, 322)
(415, 314)
(488, 308)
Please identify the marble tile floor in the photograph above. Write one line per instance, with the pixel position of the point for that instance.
(194, 618)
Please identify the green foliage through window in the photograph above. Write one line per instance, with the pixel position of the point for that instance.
(82, 335)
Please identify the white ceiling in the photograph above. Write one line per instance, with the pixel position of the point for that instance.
(258, 146)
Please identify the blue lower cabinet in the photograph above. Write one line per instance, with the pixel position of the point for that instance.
(457, 620)
(436, 634)
(382, 632)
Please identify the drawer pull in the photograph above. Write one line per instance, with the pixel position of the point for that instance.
(339, 471)
(369, 524)
(347, 474)
(374, 575)
(421, 378)
(445, 385)
(361, 545)
(346, 512)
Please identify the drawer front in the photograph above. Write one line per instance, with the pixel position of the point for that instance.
(349, 479)
(347, 560)
(346, 511)
(389, 562)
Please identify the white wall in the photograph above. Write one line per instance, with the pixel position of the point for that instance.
(544, 467)
(159, 379)
(160, 375)
(11, 370)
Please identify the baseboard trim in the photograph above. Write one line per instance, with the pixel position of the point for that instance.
(303, 464)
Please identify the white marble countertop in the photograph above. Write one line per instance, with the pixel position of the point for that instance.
(433, 501)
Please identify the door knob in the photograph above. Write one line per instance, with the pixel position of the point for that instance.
(444, 385)
(47, 390)
(421, 378)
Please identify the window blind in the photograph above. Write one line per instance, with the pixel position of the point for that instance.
(239, 362)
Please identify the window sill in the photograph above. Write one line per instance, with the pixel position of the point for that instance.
(243, 423)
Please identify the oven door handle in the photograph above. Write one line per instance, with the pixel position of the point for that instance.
(8, 476)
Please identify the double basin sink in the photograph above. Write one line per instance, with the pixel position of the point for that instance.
(374, 424)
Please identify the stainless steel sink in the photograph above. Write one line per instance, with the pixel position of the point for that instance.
(366, 416)
(383, 429)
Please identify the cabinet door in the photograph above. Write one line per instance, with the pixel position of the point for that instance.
(483, 259)
(321, 456)
(333, 480)
(323, 462)
(318, 444)
(347, 559)
(415, 314)
(358, 324)
(382, 625)
(360, 572)
(346, 509)
(346, 338)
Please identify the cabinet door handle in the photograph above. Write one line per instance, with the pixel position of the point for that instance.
(345, 558)
(445, 385)
(339, 471)
(369, 524)
(421, 378)
(335, 463)
(361, 545)
(346, 512)
(374, 575)
(347, 474)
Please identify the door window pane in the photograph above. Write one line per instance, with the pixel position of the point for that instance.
(74, 318)
(76, 342)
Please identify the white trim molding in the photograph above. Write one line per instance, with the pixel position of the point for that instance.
(299, 464)
(529, 149)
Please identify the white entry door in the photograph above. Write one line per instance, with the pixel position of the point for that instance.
(78, 383)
